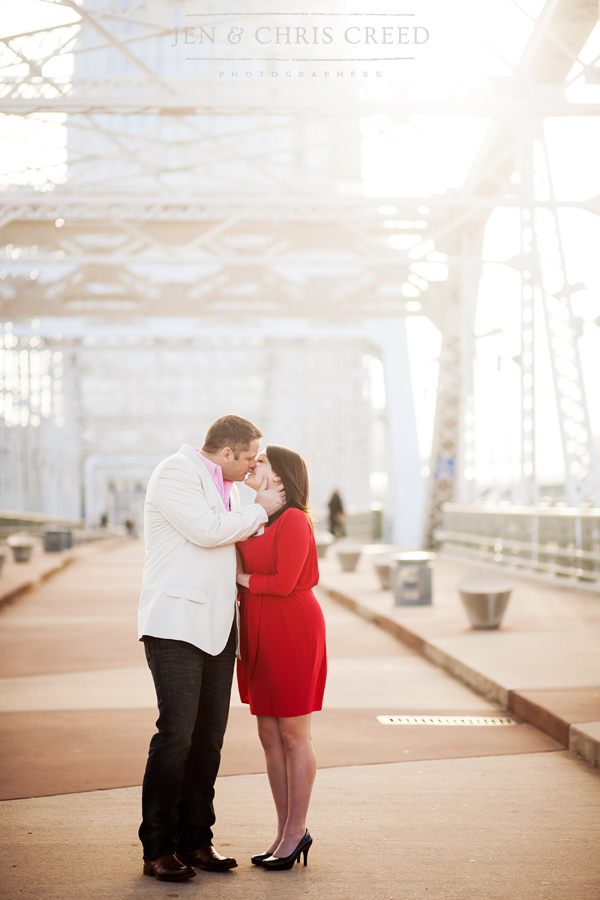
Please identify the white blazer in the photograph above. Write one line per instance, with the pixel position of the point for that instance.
(189, 587)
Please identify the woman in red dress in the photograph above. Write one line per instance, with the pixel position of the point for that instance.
(283, 664)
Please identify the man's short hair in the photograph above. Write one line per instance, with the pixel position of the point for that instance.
(233, 432)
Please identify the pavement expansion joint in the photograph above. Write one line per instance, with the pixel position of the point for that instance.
(446, 720)
(542, 666)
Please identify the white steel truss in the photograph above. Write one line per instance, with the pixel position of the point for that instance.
(582, 471)
(187, 198)
(505, 172)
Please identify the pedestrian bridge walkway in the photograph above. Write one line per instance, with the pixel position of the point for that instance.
(543, 663)
(399, 811)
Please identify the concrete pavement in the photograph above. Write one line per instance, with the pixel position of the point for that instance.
(543, 664)
(399, 811)
(18, 578)
(497, 828)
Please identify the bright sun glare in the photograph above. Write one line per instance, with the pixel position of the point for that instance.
(472, 44)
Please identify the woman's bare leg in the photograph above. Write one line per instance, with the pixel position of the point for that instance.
(301, 768)
(271, 740)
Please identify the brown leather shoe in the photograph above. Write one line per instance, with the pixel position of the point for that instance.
(206, 858)
(167, 868)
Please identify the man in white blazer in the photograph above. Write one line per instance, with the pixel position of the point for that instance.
(193, 517)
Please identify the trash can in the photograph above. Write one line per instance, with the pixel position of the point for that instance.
(411, 579)
(53, 541)
(57, 539)
(348, 556)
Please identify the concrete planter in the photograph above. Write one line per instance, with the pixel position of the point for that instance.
(22, 552)
(383, 566)
(323, 539)
(21, 546)
(485, 597)
(348, 557)
(381, 556)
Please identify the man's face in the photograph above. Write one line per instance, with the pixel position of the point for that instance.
(237, 469)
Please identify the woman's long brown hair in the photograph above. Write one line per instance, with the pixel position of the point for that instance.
(291, 468)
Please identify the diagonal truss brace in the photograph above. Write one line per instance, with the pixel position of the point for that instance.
(582, 471)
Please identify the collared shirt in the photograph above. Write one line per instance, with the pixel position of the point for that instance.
(216, 473)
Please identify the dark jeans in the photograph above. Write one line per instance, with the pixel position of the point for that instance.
(193, 690)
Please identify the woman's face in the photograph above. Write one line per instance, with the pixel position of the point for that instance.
(261, 472)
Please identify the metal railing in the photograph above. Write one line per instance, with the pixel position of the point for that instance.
(556, 542)
(363, 526)
(31, 522)
(34, 524)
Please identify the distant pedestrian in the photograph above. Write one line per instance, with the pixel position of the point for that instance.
(337, 516)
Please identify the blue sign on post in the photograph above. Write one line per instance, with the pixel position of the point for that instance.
(444, 469)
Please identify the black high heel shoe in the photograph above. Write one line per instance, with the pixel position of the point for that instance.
(287, 862)
(259, 859)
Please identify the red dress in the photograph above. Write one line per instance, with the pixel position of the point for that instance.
(283, 663)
